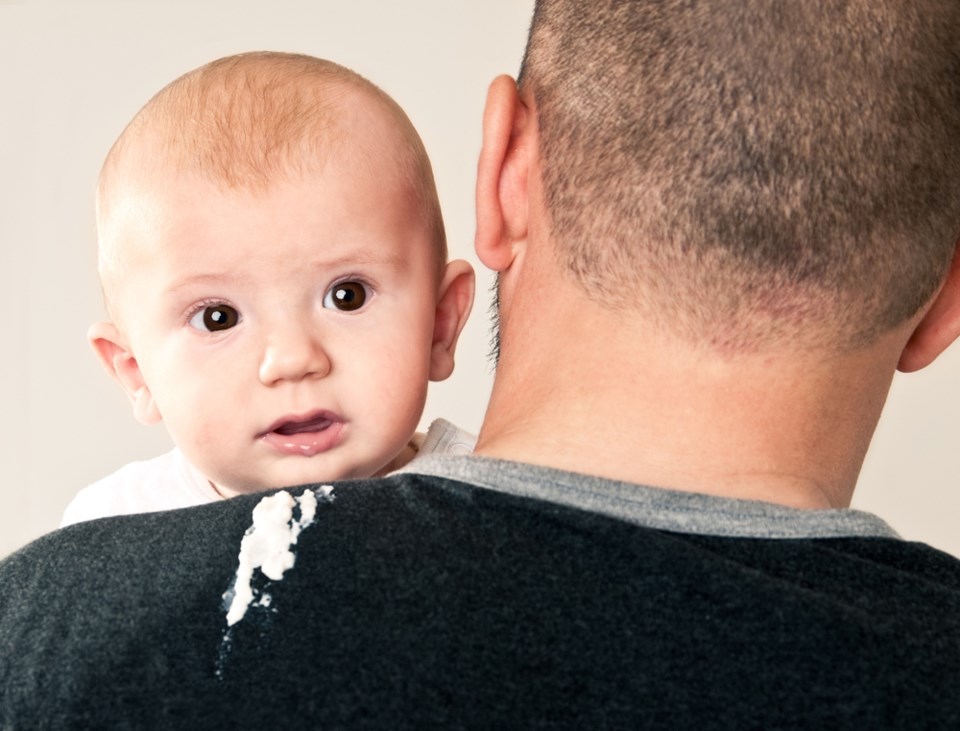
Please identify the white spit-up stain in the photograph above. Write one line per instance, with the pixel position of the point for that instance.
(267, 545)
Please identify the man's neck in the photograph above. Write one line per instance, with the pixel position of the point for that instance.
(631, 406)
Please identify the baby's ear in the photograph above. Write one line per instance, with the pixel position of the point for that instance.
(454, 300)
(114, 355)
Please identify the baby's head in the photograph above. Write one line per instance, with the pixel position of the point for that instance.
(274, 266)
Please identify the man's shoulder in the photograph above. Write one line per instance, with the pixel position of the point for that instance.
(439, 602)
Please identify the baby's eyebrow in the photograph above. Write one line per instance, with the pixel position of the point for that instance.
(203, 279)
(364, 257)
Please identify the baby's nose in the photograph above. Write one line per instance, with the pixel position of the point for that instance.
(292, 354)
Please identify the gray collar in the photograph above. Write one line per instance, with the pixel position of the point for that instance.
(669, 510)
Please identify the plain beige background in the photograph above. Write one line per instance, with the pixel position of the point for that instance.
(73, 72)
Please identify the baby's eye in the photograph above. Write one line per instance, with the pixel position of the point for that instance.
(346, 296)
(215, 317)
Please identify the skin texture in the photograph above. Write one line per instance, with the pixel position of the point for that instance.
(599, 390)
(269, 263)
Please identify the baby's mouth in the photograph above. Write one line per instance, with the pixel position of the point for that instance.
(306, 435)
(313, 424)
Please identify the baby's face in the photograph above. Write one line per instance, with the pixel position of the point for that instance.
(284, 336)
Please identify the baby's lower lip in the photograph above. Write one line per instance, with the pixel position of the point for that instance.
(307, 437)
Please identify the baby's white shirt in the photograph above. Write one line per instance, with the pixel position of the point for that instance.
(169, 481)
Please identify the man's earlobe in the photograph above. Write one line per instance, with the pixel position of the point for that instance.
(454, 301)
(502, 213)
(112, 351)
(940, 325)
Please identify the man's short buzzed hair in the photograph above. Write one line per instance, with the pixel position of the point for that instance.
(752, 171)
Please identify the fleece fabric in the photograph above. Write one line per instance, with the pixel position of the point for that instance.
(422, 601)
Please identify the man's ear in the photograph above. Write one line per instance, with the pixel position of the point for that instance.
(502, 199)
(939, 326)
(454, 300)
(114, 355)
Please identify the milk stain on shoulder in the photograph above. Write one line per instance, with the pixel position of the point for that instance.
(267, 545)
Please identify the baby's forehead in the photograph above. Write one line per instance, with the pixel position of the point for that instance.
(145, 213)
(149, 180)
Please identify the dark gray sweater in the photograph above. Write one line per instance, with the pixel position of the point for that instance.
(424, 602)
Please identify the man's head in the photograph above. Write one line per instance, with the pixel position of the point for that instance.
(273, 260)
(751, 173)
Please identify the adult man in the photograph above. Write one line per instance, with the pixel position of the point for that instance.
(718, 229)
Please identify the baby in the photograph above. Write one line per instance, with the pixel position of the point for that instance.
(274, 267)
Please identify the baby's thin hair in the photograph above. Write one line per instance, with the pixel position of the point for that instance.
(243, 120)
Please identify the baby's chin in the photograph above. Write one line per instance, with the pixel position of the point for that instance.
(234, 485)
